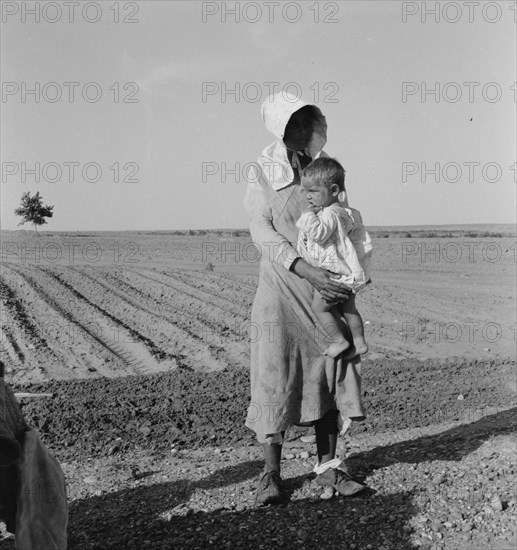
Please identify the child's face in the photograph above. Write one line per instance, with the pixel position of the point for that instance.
(319, 195)
(298, 131)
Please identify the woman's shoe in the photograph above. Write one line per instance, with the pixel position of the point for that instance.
(269, 490)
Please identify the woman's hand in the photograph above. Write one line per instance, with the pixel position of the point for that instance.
(323, 281)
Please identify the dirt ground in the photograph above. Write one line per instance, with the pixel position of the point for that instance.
(142, 341)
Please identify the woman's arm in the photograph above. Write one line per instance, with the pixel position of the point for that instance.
(266, 238)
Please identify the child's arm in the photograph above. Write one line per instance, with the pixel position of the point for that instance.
(318, 228)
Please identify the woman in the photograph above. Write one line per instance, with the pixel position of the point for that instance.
(291, 381)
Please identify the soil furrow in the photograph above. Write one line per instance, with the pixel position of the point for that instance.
(170, 280)
(88, 321)
(134, 333)
(195, 343)
(240, 281)
(10, 346)
(211, 283)
(20, 334)
(55, 298)
(42, 333)
(212, 320)
(14, 306)
(155, 292)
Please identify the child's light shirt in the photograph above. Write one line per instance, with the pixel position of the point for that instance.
(335, 239)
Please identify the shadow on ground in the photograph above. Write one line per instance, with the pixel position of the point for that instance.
(131, 519)
(134, 518)
(450, 445)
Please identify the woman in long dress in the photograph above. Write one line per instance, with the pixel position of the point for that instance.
(292, 382)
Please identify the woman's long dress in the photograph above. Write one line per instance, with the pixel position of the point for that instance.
(291, 381)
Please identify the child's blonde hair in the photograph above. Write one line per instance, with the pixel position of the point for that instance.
(325, 171)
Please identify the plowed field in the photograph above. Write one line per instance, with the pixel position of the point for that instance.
(80, 306)
(63, 320)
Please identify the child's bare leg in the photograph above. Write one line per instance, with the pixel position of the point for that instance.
(353, 319)
(328, 319)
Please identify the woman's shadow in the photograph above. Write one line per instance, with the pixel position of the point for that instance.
(134, 518)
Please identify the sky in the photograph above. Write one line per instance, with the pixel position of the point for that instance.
(144, 115)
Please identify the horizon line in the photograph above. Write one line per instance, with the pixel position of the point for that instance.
(369, 227)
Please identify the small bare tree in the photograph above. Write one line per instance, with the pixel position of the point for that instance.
(32, 210)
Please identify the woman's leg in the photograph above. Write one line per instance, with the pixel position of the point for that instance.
(269, 490)
(353, 319)
(272, 457)
(328, 318)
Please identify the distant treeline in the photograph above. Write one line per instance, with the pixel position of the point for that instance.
(436, 234)
(379, 234)
(204, 232)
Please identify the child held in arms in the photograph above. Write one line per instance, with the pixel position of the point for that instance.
(331, 235)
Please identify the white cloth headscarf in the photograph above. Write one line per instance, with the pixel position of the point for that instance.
(276, 111)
